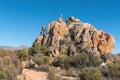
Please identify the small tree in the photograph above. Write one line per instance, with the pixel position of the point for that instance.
(23, 54)
(85, 60)
(90, 73)
(34, 49)
(114, 71)
(64, 62)
(37, 48)
(2, 75)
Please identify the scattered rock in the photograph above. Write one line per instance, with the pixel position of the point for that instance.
(60, 19)
(69, 78)
(31, 64)
(72, 19)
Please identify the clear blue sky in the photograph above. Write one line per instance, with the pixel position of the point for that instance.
(21, 20)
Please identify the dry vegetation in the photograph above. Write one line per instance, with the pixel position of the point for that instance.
(10, 65)
(84, 66)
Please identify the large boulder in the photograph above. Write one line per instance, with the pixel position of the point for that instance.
(76, 37)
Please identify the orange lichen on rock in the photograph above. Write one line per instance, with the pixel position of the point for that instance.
(83, 37)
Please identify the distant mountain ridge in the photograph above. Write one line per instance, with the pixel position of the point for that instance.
(11, 48)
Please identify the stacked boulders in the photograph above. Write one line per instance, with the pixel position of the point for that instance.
(74, 36)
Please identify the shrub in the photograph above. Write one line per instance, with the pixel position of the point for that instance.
(52, 76)
(38, 54)
(37, 48)
(22, 54)
(63, 62)
(37, 59)
(78, 61)
(2, 75)
(63, 52)
(34, 49)
(111, 71)
(90, 73)
(114, 71)
(45, 59)
(72, 72)
(40, 59)
(43, 49)
(85, 60)
(10, 65)
(104, 70)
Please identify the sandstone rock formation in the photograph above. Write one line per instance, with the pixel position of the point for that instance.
(73, 36)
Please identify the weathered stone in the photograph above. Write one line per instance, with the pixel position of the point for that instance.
(60, 19)
(46, 39)
(79, 33)
(72, 50)
(31, 64)
(40, 39)
(76, 37)
(72, 19)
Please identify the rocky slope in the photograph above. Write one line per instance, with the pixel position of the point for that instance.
(73, 36)
(61, 46)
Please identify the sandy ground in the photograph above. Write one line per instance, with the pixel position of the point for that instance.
(34, 75)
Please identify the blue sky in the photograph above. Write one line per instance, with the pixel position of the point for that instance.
(21, 20)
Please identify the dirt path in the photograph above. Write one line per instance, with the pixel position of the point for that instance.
(34, 75)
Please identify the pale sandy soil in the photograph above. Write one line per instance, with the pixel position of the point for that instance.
(29, 74)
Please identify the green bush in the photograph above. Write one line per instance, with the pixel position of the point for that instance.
(63, 52)
(2, 75)
(40, 59)
(90, 73)
(37, 48)
(34, 49)
(38, 54)
(72, 72)
(23, 54)
(114, 71)
(111, 71)
(78, 61)
(52, 76)
(85, 60)
(45, 59)
(43, 49)
(63, 62)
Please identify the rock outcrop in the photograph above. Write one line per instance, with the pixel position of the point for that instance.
(73, 36)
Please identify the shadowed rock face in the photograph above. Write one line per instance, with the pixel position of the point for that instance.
(74, 36)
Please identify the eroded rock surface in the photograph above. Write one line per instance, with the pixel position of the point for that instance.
(74, 36)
